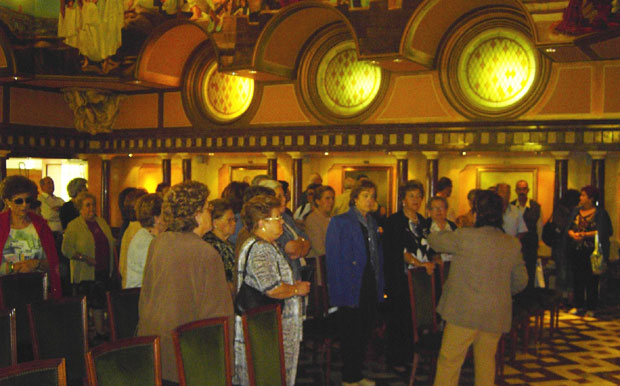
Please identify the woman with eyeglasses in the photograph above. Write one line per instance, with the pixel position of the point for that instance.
(224, 224)
(184, 278)
(27, 241)
(263, 266)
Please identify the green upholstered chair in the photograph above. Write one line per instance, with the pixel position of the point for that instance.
(123, 312)
(126, 362)
(59, 330)
(8, 339)
(426, 337)
(49, 372)
(202, 351)
(262, 331)
(17, 290)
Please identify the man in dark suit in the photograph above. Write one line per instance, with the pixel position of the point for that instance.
(530, 210)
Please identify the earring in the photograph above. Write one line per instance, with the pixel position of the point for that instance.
(263, 229)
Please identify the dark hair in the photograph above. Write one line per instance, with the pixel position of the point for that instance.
(471, 195)
(220, 206)
(318, 192)
(256, 190)
(128, 210)
(233, 192)
(360, 186)
(592, 192)
(489, 209)
(285, 185)
(361, 176)
(256, 209)
(147, 207)
(570, 198)
(443, 183)
(438, 198)
(13, 185)
(181, 204)
(313, 186)
(121, 201)
(409, 186)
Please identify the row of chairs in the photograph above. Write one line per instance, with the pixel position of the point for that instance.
(202, 348)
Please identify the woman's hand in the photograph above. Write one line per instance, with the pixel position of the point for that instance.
(430, 267)
(297, 248)
(303, 288)
(26, 266)
(577, 236)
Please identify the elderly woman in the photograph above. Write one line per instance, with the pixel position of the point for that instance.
(89, 244)
(263, 266)
(233, 193)
(438, 208)
(27, 241)
(293, 241)
(184, 277)
(317, 221)
(587, 221)
(404, 242)
(224, 225)
(487, 269)
(148, 213)
(69, 211)
(355, 277)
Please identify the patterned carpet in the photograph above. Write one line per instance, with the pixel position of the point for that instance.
(585, 351)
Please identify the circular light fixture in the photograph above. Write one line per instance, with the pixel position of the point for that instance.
(227, 96)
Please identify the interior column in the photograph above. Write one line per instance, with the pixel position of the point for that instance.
(272, 164)
(561, 175)
(432, 172)
(597, 177)
(297, 178)
(105, 186)
(166, 168)
(4, 155)
(402, 167)
(186, 166)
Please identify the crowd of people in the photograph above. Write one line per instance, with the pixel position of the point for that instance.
(191, 256)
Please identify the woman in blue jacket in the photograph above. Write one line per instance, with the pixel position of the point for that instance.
(355, 278)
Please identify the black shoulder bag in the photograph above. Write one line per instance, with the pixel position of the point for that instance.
(249, 297)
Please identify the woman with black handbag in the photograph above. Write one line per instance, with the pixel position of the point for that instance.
(263, 268)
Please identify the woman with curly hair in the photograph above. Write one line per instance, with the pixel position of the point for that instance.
(262, 266)
(184, 277)
(26, 239)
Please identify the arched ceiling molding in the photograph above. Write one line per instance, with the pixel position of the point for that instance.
(8, 66)
(434, 18)
(165, 52)
(281, 42)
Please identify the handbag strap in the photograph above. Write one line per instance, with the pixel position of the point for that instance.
(245, 266)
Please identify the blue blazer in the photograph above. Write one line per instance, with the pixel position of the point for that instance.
(346, 258)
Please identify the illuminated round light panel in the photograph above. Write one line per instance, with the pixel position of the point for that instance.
(227, 96)
(345, 85)
(497, 68)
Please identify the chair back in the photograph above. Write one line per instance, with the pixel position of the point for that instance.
(126, 362)
(202, 351)
(123, 312)
(318, 303)
(49, 372)
(17, 290)
(59, 330)
(264, 350)
(422, 298)
(8, 338)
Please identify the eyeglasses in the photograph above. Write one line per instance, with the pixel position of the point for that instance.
(279, 218)
(20, 201)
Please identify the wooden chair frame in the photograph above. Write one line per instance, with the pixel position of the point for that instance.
(26, 367)
(110, 306)
(223, 321)
(248, 346)
(414, 318)
(91, 355)
(12, 333)
(33, 332)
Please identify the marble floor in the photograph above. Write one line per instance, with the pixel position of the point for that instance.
(584, 351)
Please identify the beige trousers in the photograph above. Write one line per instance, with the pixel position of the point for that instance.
(454, 345)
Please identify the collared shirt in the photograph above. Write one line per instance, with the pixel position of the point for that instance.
(522, 209)
(48, 203)
(513, 221)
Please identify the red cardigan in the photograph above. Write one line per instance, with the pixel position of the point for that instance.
(47, 242)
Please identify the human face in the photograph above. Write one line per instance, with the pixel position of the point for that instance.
(365, 201)
(412, 201)
(225, 224)
(438, 211)
(203, 218)
(19, 204)
(282, 198)
(522, 190)
(325, 204)
(584, 200)
(47, 185)
(504, 192)
(88, 209)
(271, 226)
